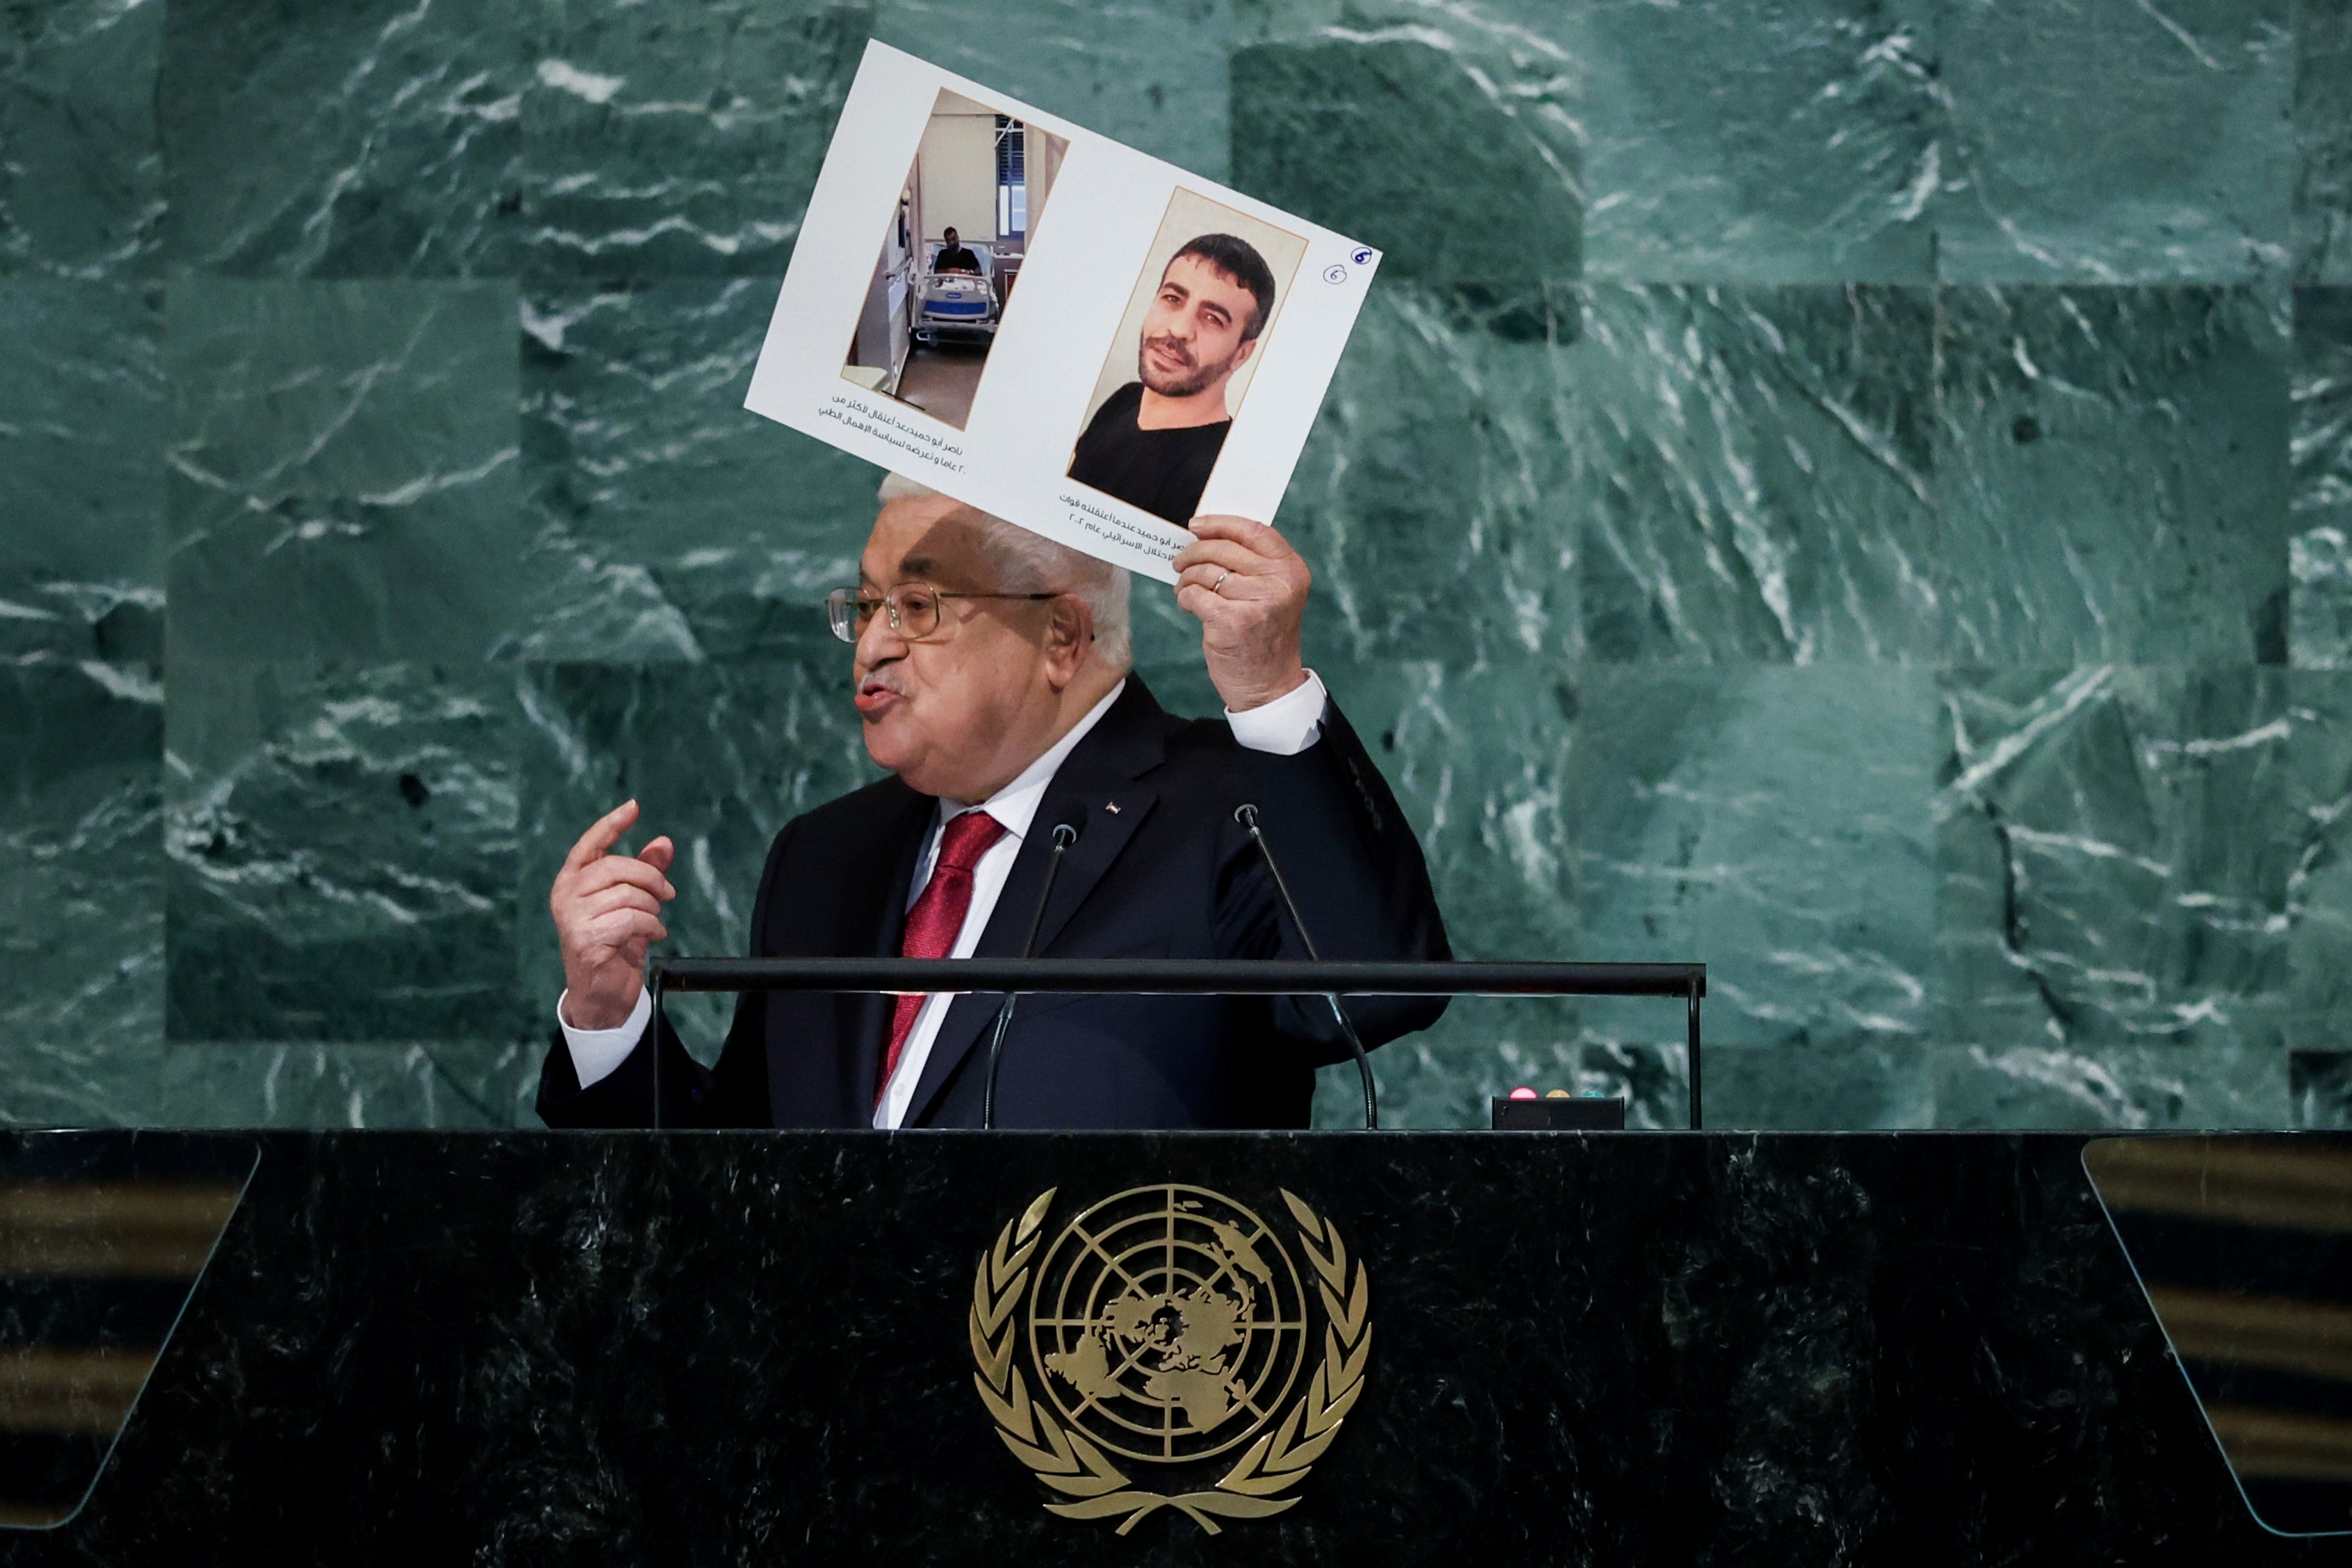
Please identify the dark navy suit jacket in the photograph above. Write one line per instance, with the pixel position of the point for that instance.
(1168, 875)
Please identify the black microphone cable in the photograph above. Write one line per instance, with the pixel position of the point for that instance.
(1066, 828)
(1246, 814)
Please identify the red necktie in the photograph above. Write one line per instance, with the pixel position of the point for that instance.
(937, 917)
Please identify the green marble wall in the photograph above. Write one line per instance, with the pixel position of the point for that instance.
(1859, 493)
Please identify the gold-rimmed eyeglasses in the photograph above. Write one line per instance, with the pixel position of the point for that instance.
(913, 609)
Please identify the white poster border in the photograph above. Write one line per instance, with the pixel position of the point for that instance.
(1083, 257)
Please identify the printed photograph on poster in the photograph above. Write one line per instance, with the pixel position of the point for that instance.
(1048, 325)
(951, 257)
(1203, 307)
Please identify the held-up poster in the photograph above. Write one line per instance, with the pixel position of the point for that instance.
(1050, 326)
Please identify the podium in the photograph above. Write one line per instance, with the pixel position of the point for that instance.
(866, 1347)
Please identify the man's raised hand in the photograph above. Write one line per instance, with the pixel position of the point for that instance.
(1249, 589)
(607, 911)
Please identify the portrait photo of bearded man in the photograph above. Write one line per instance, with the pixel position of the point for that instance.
(1153, 441)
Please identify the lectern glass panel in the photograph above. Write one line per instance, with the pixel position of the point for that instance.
(2244, 1245)
(103, 1239)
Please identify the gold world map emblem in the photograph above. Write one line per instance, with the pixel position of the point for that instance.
(1169, 1326)
(1169, 1322)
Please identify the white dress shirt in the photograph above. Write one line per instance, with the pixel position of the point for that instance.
(1284, 727)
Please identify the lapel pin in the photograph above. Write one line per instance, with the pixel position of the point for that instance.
(1111, 806)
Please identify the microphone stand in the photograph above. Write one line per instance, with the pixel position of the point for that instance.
(1065, 835)
(1247, 817)
(654, 985)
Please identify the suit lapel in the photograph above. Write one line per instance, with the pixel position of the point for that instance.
(873, 922)
(1099, 773)
(1085, 865)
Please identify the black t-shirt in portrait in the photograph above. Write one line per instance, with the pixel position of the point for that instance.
(1163, 471)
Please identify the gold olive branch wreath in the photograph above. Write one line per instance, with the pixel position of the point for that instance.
(1067, 1461)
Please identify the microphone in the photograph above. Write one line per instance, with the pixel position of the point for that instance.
(1066, 828)
(1246, 814)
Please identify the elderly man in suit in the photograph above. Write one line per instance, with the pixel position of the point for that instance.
(992, 673)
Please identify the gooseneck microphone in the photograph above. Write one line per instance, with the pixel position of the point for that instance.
(1066, 828)
(1246, 814)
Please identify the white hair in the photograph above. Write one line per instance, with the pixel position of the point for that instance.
(1027, 563)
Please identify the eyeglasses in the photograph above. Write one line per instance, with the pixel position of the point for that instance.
(914, 610)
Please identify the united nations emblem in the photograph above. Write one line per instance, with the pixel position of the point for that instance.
(1167, 1326)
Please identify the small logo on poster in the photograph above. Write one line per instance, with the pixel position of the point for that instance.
(1335, 273)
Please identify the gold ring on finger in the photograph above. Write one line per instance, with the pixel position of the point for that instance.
(1220, 583)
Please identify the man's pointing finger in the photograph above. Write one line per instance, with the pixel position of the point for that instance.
(601, 835)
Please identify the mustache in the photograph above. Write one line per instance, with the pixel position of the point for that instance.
(884, 679)
(1170, 345)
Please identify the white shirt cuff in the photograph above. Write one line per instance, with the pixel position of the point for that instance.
(1286, 726)
(595, 1053)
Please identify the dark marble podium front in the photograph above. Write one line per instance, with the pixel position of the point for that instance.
(683, 1348)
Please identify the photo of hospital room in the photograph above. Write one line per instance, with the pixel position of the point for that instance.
(951, 256)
